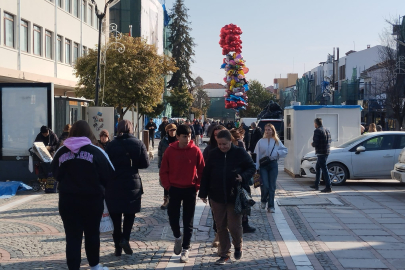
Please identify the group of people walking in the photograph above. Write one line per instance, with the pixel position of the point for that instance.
(91, 172)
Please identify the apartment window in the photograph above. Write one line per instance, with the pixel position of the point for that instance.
(24, 36)
(76, 8)
(84, 10)
(9, 30)
(68, 45)
(59, 3)
(37, 40)
(48, 44)
(84, 53)
(75, 52)
(68, 6)
(90, 14)
(59, 55)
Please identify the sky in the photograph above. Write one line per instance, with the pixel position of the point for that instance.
(284, 36)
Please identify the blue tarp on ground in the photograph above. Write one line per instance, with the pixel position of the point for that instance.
(10, 188)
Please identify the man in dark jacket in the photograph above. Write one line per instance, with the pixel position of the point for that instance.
(226, 166)
(162, 127)
(257, 134)
(151, 126)
(49, 139)
(321, 142)
(246, 138)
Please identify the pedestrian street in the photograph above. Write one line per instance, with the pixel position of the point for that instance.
(358, 226)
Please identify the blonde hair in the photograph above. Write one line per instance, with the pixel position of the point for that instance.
(275, 136)
(372, 128)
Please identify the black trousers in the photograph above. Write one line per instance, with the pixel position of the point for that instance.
(126, 226)
(81, 215)
(165, 192)
(152, 138)
(188, 196)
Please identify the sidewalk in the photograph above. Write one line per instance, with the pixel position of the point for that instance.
(356, 226)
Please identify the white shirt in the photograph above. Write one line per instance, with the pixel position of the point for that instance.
(264, 147)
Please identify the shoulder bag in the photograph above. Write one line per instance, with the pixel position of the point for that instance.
(265, 161)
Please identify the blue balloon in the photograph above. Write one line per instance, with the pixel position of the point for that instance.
(246, 87)
(223, 65)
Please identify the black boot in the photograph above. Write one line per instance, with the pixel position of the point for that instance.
(246, 227)
(118, 249)
(126, 246)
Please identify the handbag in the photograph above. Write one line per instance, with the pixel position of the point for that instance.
(243, 202)
(257, 180)
(265, 161)
(106, 224)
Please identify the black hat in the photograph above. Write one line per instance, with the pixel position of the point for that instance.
(44, 129)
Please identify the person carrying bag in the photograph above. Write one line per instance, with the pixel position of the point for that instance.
(268, 150)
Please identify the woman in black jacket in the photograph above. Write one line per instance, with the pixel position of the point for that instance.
(82, 170)
(123, 192)
(226, 166)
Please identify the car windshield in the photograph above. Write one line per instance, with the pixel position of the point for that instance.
(352, 141)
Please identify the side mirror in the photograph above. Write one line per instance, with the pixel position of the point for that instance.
(360, 149)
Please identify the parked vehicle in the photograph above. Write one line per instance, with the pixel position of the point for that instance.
(398, 173)
(277, 123)
(372, 155)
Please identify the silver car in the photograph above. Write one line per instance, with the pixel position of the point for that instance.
(371, 155)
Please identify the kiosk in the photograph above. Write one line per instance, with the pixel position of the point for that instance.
(342, 121)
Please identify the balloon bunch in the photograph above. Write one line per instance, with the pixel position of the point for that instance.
(235, 68)
(230, 39)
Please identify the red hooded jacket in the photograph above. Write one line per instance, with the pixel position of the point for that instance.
(181, 167)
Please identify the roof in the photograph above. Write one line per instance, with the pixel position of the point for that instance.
(213, 86)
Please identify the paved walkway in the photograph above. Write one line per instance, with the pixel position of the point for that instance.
(360, 225)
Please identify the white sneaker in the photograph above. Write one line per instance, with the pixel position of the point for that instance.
(263, 205)
(177, 245)
(184, 256)
(271, 210)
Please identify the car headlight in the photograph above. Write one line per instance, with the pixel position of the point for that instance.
(311, 158)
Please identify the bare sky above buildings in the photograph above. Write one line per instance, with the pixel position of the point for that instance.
(280, 36)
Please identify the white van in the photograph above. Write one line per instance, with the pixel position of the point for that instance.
(248, 121)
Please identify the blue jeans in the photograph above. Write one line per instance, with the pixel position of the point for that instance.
(269, 177)
(321, 165)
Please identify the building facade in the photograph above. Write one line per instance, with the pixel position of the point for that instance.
(40, 40)
(217, 111)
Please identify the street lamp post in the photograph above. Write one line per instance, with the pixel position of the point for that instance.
(100, 17)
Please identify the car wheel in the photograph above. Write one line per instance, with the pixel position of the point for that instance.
(337, 173)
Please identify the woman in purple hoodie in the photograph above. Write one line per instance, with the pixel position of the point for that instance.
(82, 169)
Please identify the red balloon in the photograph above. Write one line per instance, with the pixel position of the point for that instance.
(245, 70)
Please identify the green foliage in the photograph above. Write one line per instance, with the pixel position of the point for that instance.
(259, 97)
(157, 110)
(180, 99)
(136, 75)
(182, 46)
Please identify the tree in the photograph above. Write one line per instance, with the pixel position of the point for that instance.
(259, 97)
(182, 46)
(392, 80)
(201, 100)
(136, 75)
(180, 99)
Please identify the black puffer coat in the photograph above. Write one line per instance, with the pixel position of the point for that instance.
(218, 180)
(123, 192)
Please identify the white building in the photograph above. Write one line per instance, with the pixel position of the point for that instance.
(40, 40)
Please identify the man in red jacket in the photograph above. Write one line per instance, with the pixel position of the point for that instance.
(180, 174)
